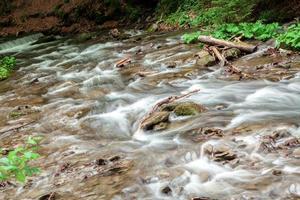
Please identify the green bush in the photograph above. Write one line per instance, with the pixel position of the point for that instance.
(7, 65)
(189, 38)
(206, 12)
(15, 164)
(256, 30)
(291, 38)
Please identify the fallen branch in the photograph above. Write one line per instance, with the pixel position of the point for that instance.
(220, 57)
(213, 41)
(167, 101)
(123, 62)
(16, 127)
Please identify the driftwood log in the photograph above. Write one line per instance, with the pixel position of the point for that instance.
(220, 57)
(213, 41)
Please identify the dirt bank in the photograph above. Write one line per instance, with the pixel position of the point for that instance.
(68, 16)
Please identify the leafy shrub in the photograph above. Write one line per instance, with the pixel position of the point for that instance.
(15, 165)
(133, 12)
(189, 38)
(256, 30)
(291, 37)
(180, 18)
(206, 12)
(228, 11)
(4, 73)
(7, 64)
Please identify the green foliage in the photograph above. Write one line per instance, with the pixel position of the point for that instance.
(256, 30)
(4, 73)
(228, 11)
(15, 165)
(133, 12)
(291, 37)
(15, 114)
(189, 38)
(180, 18)
(58, 11)
(206, 12)
(7, 64)
(5, 7)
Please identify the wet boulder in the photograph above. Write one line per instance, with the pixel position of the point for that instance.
(169, 107)
(83, 37)
(116, 34)
(205, 59)
(232, 53)
(161, 126)
(189, 108)
(155, 119)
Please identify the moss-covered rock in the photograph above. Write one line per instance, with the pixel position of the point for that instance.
(84, 37)
(232, 53)
(189, 108)
(169, 107)
(205, 59)
(155, 119)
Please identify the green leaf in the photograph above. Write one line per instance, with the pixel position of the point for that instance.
(4, 161)
(8, 168)
(20, 176)
(3, 177)
(31, 141)
(31, 156)
(30, 171)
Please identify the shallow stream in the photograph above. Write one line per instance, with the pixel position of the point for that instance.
(89, 113)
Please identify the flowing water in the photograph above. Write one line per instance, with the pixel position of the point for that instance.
(89, 114)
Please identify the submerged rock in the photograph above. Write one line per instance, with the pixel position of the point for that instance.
(167, 190)
(20, 111)
(189, 108)
(161, 126)
(206, 133)
(155, 119)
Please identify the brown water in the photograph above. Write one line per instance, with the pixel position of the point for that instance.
(89, 114)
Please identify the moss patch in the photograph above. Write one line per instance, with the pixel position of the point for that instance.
(189, 108)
